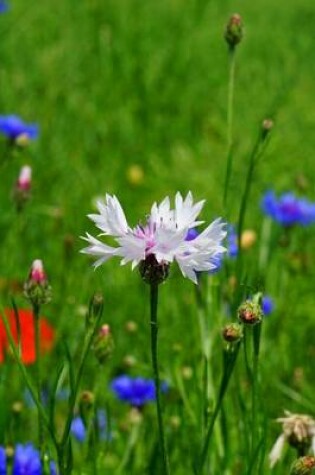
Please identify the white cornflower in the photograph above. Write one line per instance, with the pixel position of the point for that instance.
(298, 430)
(162, 236)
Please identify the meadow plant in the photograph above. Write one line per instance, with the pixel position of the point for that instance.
(214, 365)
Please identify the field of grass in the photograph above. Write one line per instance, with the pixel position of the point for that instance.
(131, 100)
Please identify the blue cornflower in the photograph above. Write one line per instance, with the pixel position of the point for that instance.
(267, 305)
(13, 127)
(3, 6)
(78, 429)
(26, 460)
(136, 391)
(3, 461)
(288, 209)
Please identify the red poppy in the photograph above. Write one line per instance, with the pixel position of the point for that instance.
(27, 335)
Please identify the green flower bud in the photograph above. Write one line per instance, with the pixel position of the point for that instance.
(250, 313)
(103, 345)
(36, 288)
(232, 333)
(95, 309)
(234, 30)
(303, 466)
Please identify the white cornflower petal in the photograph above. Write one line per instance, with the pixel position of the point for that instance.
(132, 248)
(276, 450)
(97, 248)
(162, 237)
(111, 220)
(186, 212)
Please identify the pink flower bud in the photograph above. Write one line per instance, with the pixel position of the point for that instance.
(25, 178)
(37, 273)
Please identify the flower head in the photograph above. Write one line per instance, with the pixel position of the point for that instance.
(25, 331)
(162, 239)
(3, 461)
(135, 391)
(288, 209)
(267, 305)
(14, 128)
(3, 8)
(26, 460)
(298, 430)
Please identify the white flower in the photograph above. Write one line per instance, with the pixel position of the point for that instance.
(163, 235)
(298, 430)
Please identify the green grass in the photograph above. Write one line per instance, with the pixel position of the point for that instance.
(123, 82)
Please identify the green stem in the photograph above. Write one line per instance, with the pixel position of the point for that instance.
(36, 310)
(27, 380)
(154, 333)
(230, 356)
(230, 107)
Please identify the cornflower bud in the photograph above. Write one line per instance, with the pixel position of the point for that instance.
(22, 140)
(152, 271)
(36, 288)
(103, 344)
(21, 192)
(95, 309)
(303, 466)
(232, 333)
(86, 402)
(266, 127)
(234, 30)
(250, 312)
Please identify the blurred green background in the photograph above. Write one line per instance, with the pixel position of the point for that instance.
(130, 96)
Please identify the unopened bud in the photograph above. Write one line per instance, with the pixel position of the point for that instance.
(234, 30)
(131, 326)
(87, 399)
(303, 466)
(22, 188)
(248, 239)
(22, 140)
(95, 309)
(103, 344)
(129, 361)
(152, 271)
(232, 333)
(266, 127)
(17, 407)
(250, 313)
(187, 372)
(36, 288)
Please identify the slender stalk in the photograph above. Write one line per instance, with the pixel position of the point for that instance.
(230, 110)
(27, 380)
(38, 381)
(154, 356)
(230, 356)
